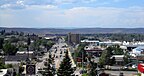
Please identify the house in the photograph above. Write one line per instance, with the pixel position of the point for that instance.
(15, 58)
(119, 59)
(31, 54)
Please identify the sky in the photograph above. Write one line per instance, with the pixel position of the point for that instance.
(72, 13)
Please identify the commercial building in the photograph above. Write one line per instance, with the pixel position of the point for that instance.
(94, 50)
(73, 38)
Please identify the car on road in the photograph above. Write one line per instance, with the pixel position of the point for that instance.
(39, 68)
(39, 60)
(82, 71)
(132, 65)
(45, 63)
(56, 56)
(61, 52)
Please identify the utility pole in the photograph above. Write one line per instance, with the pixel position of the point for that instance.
(28, 43)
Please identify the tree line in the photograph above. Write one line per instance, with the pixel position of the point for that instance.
(115, 36)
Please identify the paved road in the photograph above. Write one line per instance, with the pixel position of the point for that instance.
(126, 73)
(57, 50)
(59, 54)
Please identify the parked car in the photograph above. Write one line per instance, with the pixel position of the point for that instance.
(132, 65)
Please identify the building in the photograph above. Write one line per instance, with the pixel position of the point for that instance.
(119, 59)
(73, 38)
(94, 50)
(137, 51)
(15, 58)
(91, 42)
(30, 54)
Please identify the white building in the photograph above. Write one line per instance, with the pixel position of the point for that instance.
(137, 51)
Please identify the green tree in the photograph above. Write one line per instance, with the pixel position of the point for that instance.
(126, 58)
(80, 50)
(65, 68)
(107, 54)
(13, 39)
(9, 66)
(21, 69)
(117, 50)
(49, 70)
(2, 66)
(9, 49)
(21, 34)
(2, 32)
(93, 71)
(105, 57)
(1, 42)
(49, 44)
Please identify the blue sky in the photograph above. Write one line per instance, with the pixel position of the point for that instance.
(72, 13)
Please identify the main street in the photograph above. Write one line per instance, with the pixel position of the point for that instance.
(57, 52)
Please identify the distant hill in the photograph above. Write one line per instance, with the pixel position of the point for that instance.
(78, 30)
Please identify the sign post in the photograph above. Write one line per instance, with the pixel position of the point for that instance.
(30, 69)
(141, 68)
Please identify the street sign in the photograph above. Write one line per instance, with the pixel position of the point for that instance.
(30, 69)
(141, 67)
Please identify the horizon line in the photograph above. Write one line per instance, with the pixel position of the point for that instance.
(74, 27)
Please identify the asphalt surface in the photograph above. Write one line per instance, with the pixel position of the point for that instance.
(125, 73)
(57, 51)
(59, 54)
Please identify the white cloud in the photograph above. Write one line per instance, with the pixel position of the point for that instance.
(42, 7)
(49, 15)
(19, 3)
(88, 1)
(64, 1)
(16, 5)
(118, 0)
(93, 17)
(12, 6)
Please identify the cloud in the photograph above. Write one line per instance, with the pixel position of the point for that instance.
(51, 16)
(88, 1)
(42, 7)
(13, 5)
(46, 13)
(93, 17)
(23, 3)
(118, 0)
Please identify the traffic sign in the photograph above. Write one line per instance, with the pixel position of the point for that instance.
(141, 67)
(30, 69)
